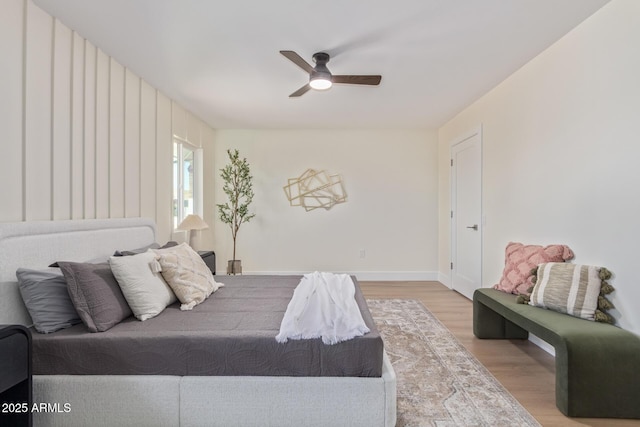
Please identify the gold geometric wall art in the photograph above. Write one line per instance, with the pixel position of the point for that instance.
(315, 189)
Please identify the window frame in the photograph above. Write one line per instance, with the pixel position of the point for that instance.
(181, 145)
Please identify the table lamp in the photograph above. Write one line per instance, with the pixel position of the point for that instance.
(190, 224)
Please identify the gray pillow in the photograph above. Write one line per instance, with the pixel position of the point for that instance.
(45, 295)
(96, 295)
(145, 249)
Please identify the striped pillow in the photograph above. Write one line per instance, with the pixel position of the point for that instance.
(567, 288)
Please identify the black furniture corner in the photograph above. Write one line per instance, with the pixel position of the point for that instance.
(16, 396)
(209, 258)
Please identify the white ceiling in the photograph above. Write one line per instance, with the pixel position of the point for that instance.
(220, 59)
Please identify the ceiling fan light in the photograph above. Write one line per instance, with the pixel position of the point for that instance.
(320, 83)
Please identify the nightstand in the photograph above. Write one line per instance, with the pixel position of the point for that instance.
(209, 258)
(15, 376)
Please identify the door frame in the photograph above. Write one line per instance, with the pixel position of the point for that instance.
(452, 201)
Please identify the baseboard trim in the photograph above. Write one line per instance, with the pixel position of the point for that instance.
(374, 276)
(445, 279)
(406, 276)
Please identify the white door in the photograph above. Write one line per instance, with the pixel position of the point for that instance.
(466, 214)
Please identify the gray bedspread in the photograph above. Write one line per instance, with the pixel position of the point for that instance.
(232, 333)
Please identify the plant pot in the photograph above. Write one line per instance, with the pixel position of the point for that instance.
(234, 267)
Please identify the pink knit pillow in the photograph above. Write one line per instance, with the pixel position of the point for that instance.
(521, 259)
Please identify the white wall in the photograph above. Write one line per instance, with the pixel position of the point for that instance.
(561, 153)
(391, 212)
(83, 137)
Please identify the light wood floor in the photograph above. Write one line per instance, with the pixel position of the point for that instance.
(524, 369)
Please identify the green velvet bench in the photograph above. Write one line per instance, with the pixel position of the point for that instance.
(597, 364)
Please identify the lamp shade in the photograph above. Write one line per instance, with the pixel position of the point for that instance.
(192, 222)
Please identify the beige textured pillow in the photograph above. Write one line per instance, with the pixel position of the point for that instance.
(187, 274)
(567, 288)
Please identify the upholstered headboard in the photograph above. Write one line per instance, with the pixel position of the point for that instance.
(37, 244)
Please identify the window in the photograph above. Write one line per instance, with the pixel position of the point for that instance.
(187, 181)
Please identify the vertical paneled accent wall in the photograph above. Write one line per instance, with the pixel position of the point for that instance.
(82, 135)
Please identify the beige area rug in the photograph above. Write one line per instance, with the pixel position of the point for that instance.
(440, 383)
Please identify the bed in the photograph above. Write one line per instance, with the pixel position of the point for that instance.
(171, 397)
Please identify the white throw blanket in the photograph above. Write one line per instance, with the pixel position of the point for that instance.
(323, 306)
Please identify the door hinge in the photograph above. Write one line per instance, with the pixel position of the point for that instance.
(452, 266)
(451, 214)
(451, 162)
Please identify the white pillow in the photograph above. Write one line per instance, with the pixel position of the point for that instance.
(187, 274)
(146, 291)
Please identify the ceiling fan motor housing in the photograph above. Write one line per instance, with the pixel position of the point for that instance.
(320, 71)
(321, 58)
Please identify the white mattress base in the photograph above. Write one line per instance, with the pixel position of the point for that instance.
(144, 400)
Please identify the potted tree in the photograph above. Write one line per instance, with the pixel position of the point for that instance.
(239, 190)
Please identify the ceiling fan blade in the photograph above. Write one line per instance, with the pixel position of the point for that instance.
(304, 89)
(297, 59)
(358, 80)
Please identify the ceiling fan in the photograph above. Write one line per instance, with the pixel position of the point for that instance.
(320, 78)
